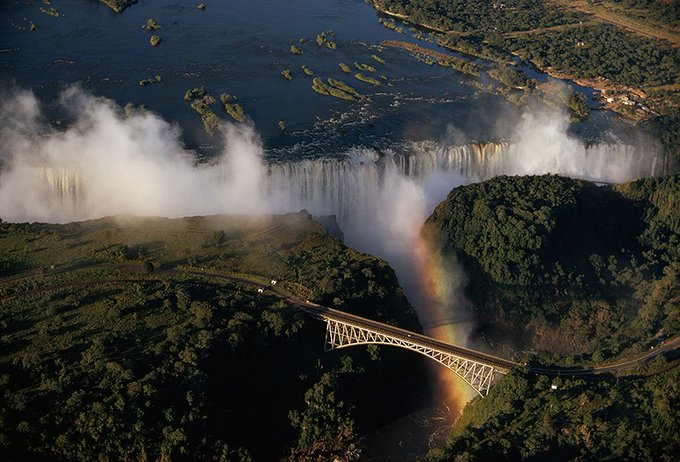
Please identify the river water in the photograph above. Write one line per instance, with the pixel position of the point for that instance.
(241, 48)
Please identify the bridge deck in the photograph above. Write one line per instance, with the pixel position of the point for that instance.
(323, 312)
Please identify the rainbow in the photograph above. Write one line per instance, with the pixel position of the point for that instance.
(439, 281)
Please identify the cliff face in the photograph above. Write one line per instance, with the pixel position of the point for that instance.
(126, 338)
(566, 266)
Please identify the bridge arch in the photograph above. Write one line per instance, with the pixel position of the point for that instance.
(343, 334)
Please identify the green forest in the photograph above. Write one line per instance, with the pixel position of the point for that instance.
(659, 11)
(478, 15)
(583, 273)
(578, 271)
(115, 346)
(608, 419)
(584, 49)
(601, 50)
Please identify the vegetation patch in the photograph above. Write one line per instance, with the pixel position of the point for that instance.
(461, 65)
(145, 82)
(431, 57)
(524, 418)
(364, 67)
(194, 93)
(344, 87)
(474, 46)
(378, 59)
(468, 16)
(201, 102)
(50, 11)
(337, 89)
(151, 24)
(234, 109)
(511, 77)
(324, 38)
(103, 359)
(391, 24)
(118, 5)
(367, 79)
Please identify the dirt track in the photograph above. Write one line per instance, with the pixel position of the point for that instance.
(611, 17)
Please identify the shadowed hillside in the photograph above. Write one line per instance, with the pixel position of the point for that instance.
(565, 266)
(141, 338)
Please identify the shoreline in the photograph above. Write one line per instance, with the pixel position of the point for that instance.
(414, 48)
(601, 87)
(405, 17)
(618, 94)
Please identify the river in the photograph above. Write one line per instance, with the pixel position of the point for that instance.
(241, 48)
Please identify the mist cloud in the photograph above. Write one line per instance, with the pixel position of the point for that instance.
(541, 144)
(108, 162)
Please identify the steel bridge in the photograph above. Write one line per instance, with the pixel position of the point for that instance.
(343, 330)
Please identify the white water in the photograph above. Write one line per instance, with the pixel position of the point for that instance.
(353, 187)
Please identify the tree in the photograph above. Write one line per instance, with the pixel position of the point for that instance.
(148, 267)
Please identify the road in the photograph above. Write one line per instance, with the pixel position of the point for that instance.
(502, 364)
(607, 14)
(324, 312)
(544, 30)
(671, 346)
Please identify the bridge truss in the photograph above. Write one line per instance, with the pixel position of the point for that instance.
(478, 375)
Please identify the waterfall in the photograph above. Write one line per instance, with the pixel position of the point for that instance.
(62, 189)
(380, 198)
(349, 187)
(64, 183)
